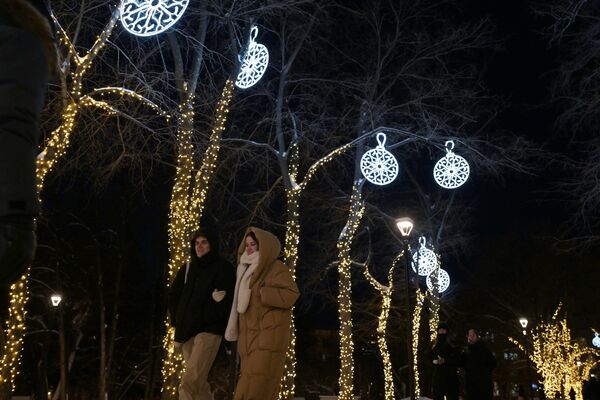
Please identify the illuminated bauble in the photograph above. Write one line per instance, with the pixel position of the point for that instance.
(452, 170)
(378, 165)
(425, 258)
(254, 63)
(596, 340)
(443, 281)
(151, 17)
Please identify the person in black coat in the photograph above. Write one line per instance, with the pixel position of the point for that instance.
(478, 363)
(199, 302)
(444, 358)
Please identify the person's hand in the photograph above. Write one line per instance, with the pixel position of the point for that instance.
(441, 360)
(218, 295)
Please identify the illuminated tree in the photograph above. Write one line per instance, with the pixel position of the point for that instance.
(386, 299)
(74, 68)
(563, 363)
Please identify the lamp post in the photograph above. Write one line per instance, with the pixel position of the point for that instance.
(523, 321)
(405, 226)
(56, 301)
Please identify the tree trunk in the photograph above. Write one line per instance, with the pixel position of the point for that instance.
(345, 289)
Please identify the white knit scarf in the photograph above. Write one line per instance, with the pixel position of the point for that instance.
(241, 295)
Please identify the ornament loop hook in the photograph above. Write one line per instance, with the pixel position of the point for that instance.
(422, 241)
(253, 33)
(381, 138)
(449, 145)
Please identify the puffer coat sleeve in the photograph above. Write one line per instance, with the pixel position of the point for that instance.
(279, 290)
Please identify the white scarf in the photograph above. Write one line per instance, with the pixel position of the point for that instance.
(241, 295)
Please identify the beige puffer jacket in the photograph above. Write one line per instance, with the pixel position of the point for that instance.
(264, 329)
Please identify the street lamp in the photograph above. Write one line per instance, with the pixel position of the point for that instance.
(56, 301)
(524, 322)
(405, 226)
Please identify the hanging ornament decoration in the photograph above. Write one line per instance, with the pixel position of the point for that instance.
(151, 17)
(443, 281)
(452, 170)
(425, 258)
(378, 165)
(596, 340)
(254, 62)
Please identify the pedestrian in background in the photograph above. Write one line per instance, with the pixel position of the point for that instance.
(478, 363)
(444, 357)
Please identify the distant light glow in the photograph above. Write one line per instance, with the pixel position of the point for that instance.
(452, 170)
(151, 17)
(596, 340)
(443, 281)
(425, 258)
(523, 322)
(55, 299)
(254, 63)
(378, 165)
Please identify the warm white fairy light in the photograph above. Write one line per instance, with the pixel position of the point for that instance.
(425, 258)
(378, 165)
(55, 148)
(562, 363)
(187, 204)
(344, 296)
(416, 327)
(254, 62)
(434, 315)
(15, 331)
(452, 170)
(439, 278)
(386, 301)
(151, 17)
(292, 240)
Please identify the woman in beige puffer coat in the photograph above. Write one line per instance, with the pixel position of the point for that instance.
(261, 314)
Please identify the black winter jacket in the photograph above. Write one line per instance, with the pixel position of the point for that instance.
(192, 307)
(478, 363)
(445, 376)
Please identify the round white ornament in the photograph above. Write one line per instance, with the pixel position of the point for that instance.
(452, 170)
(378, 165)
(254, 63)
(425, 258)
(596, 340)
(443, 281)
(151, 17)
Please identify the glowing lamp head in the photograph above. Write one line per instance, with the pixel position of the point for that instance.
(55, 299)
(523, 322)
(405, 226)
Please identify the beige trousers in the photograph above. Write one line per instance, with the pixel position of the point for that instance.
(199, 353)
